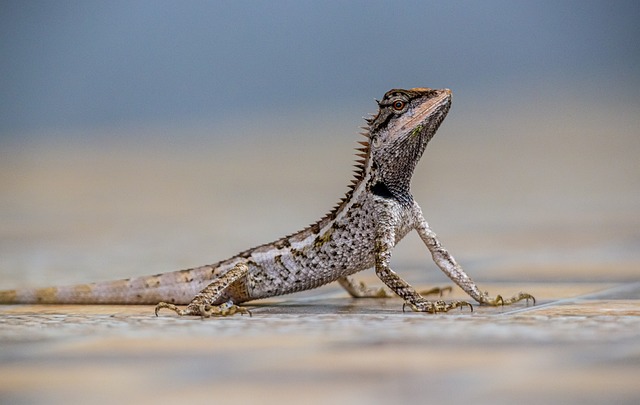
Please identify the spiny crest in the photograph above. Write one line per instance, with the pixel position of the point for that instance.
(362, 155)
(359, 172)
(371, 118)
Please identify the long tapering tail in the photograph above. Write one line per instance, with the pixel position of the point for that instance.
(177, 287)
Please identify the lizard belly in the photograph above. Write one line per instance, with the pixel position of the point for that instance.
(291, 270)
(341, 247)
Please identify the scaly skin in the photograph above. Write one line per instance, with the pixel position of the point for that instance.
(359, 233)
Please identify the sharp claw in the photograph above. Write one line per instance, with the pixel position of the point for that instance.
(498, 300)
(437, 290)
(461, 304)
(527, 297)
(436, 307)
(205, 310)
(162, 305)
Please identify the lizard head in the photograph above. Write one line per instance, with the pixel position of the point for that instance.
(399, 133)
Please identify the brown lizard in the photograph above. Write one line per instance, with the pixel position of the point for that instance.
(359, 233)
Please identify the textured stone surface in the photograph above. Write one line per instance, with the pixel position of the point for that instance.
(574, 346)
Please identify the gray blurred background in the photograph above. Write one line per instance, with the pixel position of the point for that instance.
(136, 137)
(83, 65)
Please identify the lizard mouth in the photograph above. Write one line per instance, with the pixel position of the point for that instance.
(422, 117)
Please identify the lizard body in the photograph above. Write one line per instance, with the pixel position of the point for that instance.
(359, 233)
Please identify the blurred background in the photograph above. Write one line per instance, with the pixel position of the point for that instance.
(140, 137)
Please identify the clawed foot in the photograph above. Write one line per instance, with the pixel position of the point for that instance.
(360, 289)
(498, 300)
(205, 310)
(436, 290)
(363, 291)
(442, 306)
(436, 306)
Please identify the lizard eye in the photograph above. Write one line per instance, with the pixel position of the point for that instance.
(398, 105)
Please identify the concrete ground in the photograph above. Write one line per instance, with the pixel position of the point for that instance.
(580, 344)
(565, 231)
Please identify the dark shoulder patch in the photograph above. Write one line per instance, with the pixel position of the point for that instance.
(381, 190)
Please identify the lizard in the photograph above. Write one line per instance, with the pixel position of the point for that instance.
(359, 233)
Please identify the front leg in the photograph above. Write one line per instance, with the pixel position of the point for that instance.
(207, 302)
(385, 241)
(412, 298)
(452, 269)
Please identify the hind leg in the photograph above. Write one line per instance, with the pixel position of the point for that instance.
(206, 302)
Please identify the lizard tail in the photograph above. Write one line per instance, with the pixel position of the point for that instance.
(178, 287)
